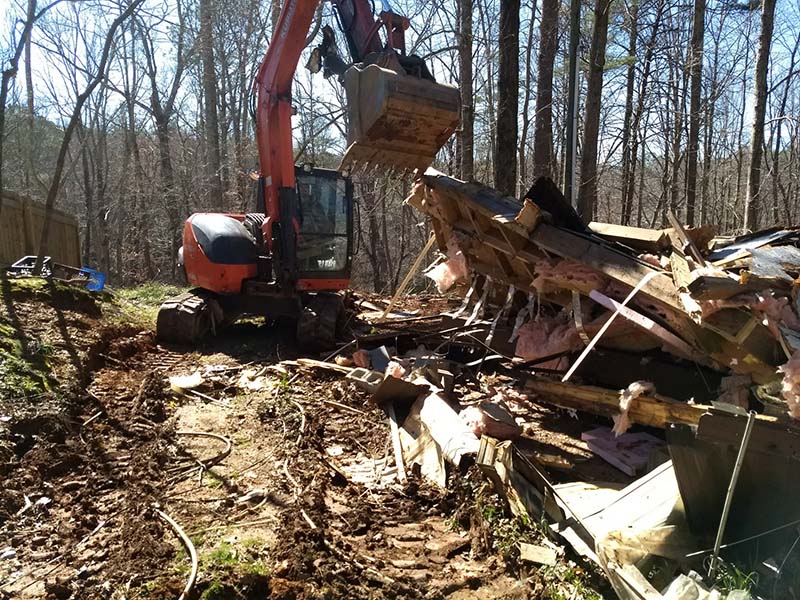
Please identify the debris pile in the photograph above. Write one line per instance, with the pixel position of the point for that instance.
(676, 350)
(631, 395)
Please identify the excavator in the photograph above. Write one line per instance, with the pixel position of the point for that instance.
(289, 258)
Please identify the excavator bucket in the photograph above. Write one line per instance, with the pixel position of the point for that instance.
(396, 121)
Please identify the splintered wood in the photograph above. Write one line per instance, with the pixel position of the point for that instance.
(739, 319)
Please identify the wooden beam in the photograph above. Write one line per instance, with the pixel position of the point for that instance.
(616, 265)
(652, 411)
(638, 238)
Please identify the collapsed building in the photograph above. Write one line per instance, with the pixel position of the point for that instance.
(690, 338)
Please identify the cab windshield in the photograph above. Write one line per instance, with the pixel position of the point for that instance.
(324, 221)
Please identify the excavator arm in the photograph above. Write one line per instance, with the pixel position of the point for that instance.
(285, 261)
(398, 116)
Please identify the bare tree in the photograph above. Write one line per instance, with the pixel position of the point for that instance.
(543, 132)
(213, 157)
(751, 212)
(505, 159)
(162, 107)
(467, 130)
(526, 100)
(96, 79)
(630, 82)
(10, 72)
(597, 60)
(696, 74)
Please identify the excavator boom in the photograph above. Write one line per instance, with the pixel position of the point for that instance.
(290, 258)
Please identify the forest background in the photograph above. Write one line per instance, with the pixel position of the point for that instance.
(132, 114)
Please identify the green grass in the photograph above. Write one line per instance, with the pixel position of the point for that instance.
(730, 577)
(215, 591)
(26, 359)
(21, 378)
(223, 555)
(212, 480)
(149, 294)
(228, 567)
(506, 531)
(24, 372)
(142, 302)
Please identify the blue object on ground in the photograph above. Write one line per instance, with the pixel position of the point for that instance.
(97, 280)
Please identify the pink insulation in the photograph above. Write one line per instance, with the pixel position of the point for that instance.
(362, 359)
(626, 398)
(790, 386)
(773, 310)
(491, 419)
(735, 389)
(557, 275)
(658, 261)
(395, 369)
(776, 311)
(454, 269)
(544, 336)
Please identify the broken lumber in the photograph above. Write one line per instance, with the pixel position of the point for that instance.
(652, 411)
(518, 479)
(319, 364)
(398, 448)
(638, 238)
(537, 554)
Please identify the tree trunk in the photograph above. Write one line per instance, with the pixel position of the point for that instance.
(29, 115)
(505, 159)
(629, 157)
(466, 139)
(573, 88)
(169, 190)
(486, 30)
(739, 156)
(526, 103)
(88, 195)
(10, 73)
(696, 74)
(543, 128)
(629, 184)
(760, 102)
(678, 108)
(779, 129)
(214, 164)
(591, 125)
(708, 146)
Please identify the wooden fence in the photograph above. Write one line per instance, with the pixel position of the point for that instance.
(21, 229)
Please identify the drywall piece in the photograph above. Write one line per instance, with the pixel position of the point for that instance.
(628, 452)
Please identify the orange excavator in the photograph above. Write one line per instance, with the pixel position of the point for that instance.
(290, 257)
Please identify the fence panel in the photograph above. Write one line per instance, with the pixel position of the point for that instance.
(21, 222)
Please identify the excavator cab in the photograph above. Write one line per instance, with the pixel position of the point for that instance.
(325, 236)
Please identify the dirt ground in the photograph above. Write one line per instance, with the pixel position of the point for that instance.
(98, 449)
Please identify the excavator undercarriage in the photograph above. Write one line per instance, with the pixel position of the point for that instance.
(189, 317)
(198, 314)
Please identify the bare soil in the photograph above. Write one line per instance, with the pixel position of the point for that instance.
(86, 465)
